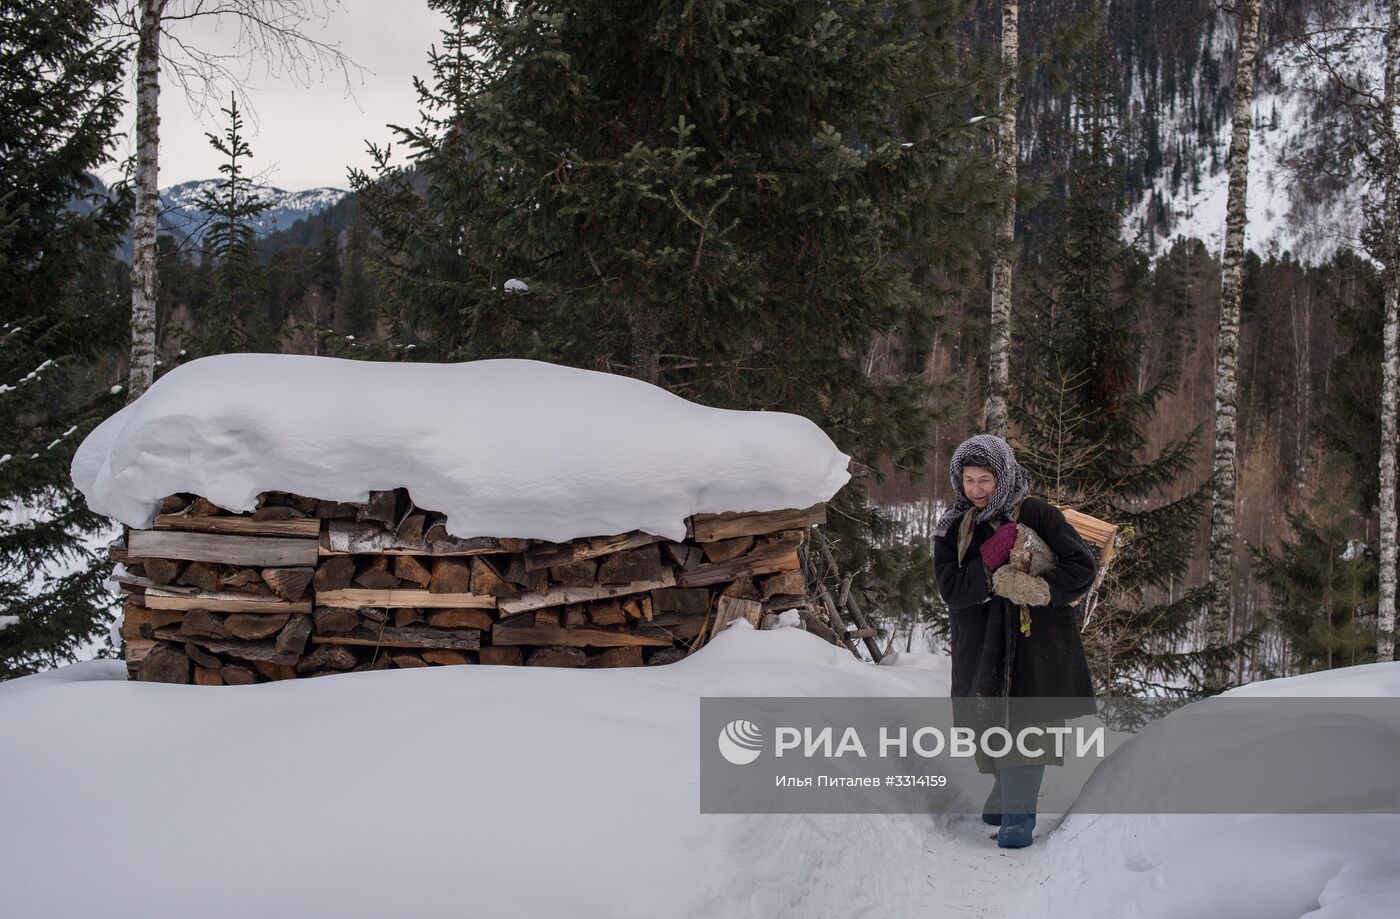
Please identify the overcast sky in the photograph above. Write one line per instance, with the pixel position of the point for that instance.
(306, 135)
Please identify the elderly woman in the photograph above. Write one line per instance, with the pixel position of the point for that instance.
(1013, 634)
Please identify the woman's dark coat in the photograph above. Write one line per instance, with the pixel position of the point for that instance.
(987, 643)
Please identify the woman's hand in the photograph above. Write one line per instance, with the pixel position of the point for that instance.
(996, 551)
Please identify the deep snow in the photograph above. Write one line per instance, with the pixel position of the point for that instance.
(506, 791)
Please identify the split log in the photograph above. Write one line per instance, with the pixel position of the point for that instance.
(201, 623)
(374, 574)
(165, 663)
(445, 658)
(451, 576)
(407, 616)
(609, 612)
(240, 551)
(275, 671)
(205, 576)
(328, 657)
(407, 661)
(254, 626)
(413, 637)
(250, 580)
(715, 527)
(291, 641)
(563, 595)
(634, 565)
(506, 634)
(535, 581)
(465, 618)
(163, 570)
(743, 589)
(157, 598)
(335, 619)
(727, 549)
(136, 649)
(497, 654)
(383, 507)
(692, 601)
(547, 616)
(638, 607)
(487, 580)
(334, 573)
(134, 617)
(336, 510)
(242, 526)
(556, 657)
(617, 657)
(287, 583)
(575, 615)
(202, 657)
(203, 507)
(394, 599)
(581, 573)
(550, 555)
(730, 609)
(238, 675)
(789, 583)
(207, 676)
(173, 504)
(684, 556)
(410, 568)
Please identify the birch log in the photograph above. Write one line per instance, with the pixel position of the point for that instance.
(1385, 624)
(143, 262)
(999, 351)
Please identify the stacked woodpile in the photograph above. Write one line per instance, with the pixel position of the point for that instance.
(302, 587)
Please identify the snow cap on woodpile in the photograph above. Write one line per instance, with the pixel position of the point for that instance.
(506, 448)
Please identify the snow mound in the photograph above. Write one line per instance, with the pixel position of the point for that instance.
(1247, 866)
(438, 792)
(505, 448)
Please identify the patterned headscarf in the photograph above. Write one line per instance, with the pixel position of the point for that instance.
(1013, 481)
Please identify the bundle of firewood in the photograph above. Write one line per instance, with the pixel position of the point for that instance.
(302, 587)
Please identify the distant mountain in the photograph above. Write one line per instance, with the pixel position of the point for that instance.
(183, 217)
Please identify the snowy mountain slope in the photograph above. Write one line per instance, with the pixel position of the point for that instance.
(181, 213)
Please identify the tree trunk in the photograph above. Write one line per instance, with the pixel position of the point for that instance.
(646, 335)
(999, 351)
(1390, 247)
(143, 264)
(1222, 514)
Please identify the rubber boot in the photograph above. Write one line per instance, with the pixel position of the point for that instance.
(991, 810)
(1020, 787)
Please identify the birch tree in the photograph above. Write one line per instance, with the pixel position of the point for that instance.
(999, 352)
(1390, 249)
(1222, 513)
(270, 30)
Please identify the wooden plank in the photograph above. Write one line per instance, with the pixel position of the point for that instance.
(240, 551)
(755, 563)
(138, 585)
(564, 595)
(715, 527)
(505, 634)
(731, 608)
(160, 598)
(547, 555)
(348, 537)
(411, 637)
(306, 528)
(355, 597)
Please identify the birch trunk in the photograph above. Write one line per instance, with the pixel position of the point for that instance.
(1222, 513)
(1390, 247)
(143, 264)
(999, 351)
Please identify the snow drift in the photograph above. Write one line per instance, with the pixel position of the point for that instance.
(505, 448)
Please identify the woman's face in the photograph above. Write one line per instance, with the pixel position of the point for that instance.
(978, 485)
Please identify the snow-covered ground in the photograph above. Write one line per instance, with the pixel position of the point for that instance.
(534, 792)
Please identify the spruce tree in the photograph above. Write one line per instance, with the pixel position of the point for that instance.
(1082, 420)
(236, 317)
(731, 200)
(58, 231)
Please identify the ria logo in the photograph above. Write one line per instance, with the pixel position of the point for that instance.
(740, 742)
